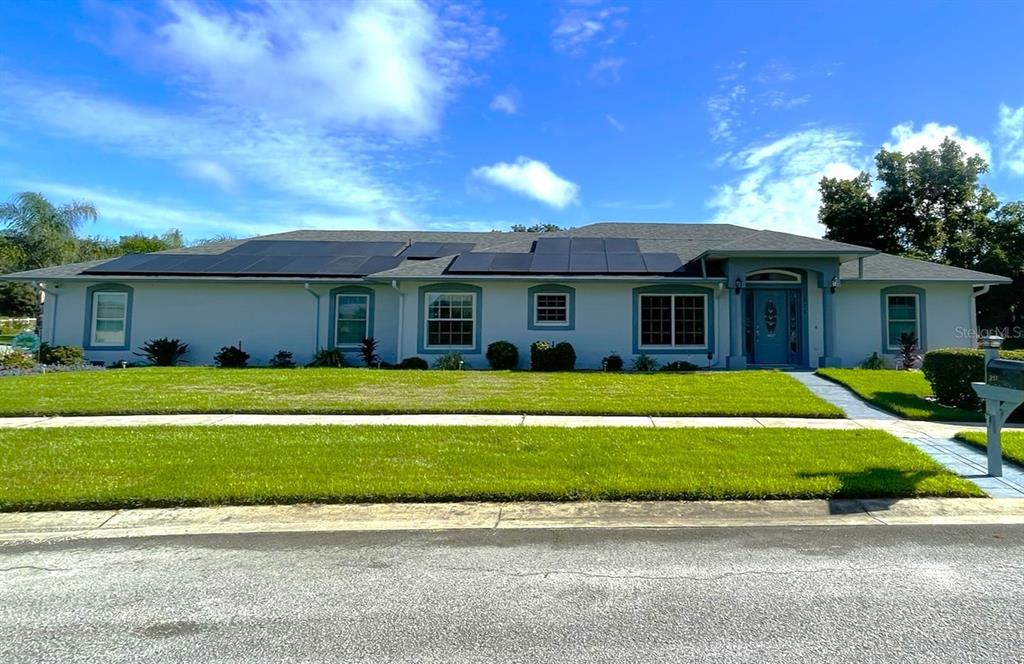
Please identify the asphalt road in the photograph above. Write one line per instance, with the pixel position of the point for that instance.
(852, 594)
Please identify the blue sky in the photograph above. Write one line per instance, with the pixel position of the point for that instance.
(250, 118)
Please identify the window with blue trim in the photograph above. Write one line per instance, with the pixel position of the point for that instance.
(352, 319)
(109, 319)
(902, 317)
(450, 320)
(674, 321)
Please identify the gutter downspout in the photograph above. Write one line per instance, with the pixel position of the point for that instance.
(317, 297)
(53, 324)
(401, 315)
(974, 308)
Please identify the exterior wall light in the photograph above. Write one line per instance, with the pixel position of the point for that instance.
(739, 285)
(834, 284)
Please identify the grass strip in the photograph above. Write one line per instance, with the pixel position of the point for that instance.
(905, 393)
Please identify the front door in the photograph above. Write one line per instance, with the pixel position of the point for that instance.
(772, 326)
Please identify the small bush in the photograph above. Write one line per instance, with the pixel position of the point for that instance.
(874, 362)
(16, 359)
(908, 355)
(952, 370)
(450, 362)
(645, 363)
(65, 356)
(547, 357)
(282, 360)
(368, 351)
(680, 366)
(503, 355)
(231, 357)
(163, 352)
(413, 363)
(328, 357)
(612, 362)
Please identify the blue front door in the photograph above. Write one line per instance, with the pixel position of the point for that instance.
(772, 326)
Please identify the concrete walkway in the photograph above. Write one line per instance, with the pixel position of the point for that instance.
(937, 440)
(111, 524)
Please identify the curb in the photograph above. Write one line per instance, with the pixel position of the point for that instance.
(115, 524)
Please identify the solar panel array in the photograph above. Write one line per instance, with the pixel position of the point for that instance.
(295, 258)
(428, 250)
(564, 255)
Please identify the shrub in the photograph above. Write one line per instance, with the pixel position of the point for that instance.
(908, 356)
(680, 366)
(231, 357)
(163, 352)
(414, 363)
(368, 351)
(645, 363)
(16, 359)
(503, 355)
(328, 357)
(873, 362)
(66, 356)
(282, 360)
(450, 362)
(952, 370)
(547, 357)
(612, 362)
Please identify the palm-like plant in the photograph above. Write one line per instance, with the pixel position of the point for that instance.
(46, 232)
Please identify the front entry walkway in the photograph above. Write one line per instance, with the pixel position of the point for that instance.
(934, 439)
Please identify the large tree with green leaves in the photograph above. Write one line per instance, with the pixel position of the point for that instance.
(930, 204)
(46, 233)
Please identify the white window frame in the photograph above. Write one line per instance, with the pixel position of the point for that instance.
(672, 319)
(427, 319)
(889, 345)
(337, 313)
(96, 318)
(550, 323)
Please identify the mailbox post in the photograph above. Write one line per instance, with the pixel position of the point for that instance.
(1003, 391)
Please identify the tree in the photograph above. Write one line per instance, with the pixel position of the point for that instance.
(850, 213)
(536, 228)
(44, 232)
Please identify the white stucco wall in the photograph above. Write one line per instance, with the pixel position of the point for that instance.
(947, 311)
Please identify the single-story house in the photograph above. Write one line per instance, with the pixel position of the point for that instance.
(715, 295)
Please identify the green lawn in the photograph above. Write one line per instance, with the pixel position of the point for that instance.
(1013, 443)
(210, 390)
(161, 466)
(901, 392)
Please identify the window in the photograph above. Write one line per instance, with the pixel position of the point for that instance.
(774, 276)
(550, 308)
(673, 320)
(901, 316)
(352, 322)
(450, 320)
(109, 319)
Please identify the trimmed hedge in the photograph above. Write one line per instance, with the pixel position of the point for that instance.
(952, 370)
(547, 357)
(503, 355)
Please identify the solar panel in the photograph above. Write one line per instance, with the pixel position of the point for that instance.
(124, 262)
(427, 250)
(662, 263)
(550, 263)
(587, 245)
(616, 245)
(343, 266)
(511, 263)
(265, 265)
(316, 248)
(233, 264)
(378, 264)
(552, 245)
(471, 262)
(592, 262)
(625, 263)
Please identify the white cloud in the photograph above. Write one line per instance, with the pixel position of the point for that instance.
(607, 71)
(506, 102)
(531, 178)
(777, 188)
(1010, 132)
(211, 171)
(931, 135)
(386, 65)
(741, 94)
(724, 112)
(618, 126)
(582, 26)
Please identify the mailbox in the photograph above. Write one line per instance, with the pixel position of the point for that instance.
(1006, 373)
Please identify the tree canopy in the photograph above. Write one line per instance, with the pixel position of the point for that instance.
(930, 204)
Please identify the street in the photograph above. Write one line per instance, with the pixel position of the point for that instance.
(853, 594)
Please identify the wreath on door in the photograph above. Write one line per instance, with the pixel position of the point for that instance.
(771, 317)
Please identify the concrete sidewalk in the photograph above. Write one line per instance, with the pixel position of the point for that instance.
(109, 524)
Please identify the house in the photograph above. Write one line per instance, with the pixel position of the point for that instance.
(713, 294)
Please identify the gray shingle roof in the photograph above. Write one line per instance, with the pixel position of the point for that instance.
(688, 240)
